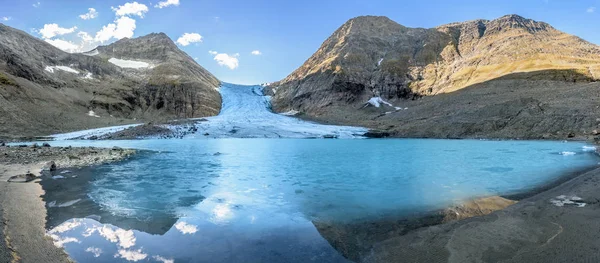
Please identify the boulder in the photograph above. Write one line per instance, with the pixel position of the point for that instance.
(22, 178)
(45, 144)
(50, 166)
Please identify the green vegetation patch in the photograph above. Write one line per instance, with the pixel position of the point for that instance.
(5, 80)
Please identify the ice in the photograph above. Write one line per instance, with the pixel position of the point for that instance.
(129, 63)
(86, 134)
(377, 101)
(246, 113)
(589, 148)
(567, 153)
(63, 68)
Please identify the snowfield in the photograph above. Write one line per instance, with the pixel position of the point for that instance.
(51, 69)
(129, 63)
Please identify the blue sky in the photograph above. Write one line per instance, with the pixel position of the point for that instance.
(285, 32)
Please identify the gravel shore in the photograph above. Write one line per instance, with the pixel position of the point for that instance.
(23, 213)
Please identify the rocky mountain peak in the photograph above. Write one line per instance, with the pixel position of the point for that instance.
(154, 46)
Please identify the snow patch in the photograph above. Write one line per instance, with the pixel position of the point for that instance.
(290, 113)
(88, 76)
(563, 200)
(51, 69)
(91, 53)
(93, 114)
(377, 101)
(379, 63)
(129, 63)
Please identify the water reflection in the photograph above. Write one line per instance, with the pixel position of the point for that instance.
(280, 200)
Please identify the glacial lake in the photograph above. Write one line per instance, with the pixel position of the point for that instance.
(258, 200)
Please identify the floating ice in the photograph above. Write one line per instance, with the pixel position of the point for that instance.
(589, 148)
(567, 153)
(129, 63)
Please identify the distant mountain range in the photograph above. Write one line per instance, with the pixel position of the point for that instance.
(510, 77)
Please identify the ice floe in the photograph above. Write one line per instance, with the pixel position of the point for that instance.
(129, 63)
(589, 148)
(567, 153)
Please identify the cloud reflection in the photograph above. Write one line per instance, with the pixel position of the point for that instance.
(94, 250)
(131, 255)
(186, 228)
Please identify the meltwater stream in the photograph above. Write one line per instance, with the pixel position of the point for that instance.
(260, 200)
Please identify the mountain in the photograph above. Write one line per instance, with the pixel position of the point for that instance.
(374, 59)
(44, 90)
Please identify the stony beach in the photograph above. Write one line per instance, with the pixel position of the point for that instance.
(23, 237)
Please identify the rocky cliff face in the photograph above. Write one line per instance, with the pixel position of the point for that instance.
(375, 57)
(45, 90)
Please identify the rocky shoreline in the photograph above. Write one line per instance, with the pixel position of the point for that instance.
(23, 213)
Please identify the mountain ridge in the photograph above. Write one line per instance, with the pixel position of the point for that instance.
(140, 79)
(371, 58)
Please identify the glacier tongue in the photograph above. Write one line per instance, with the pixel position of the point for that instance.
(245, 113)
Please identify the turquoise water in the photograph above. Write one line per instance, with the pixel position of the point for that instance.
(255, 200)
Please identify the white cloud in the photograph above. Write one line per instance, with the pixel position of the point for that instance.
(256, 53)
(591, 9)
(167, 3)
(134, 8)
(6, 18)
(52, 30)
(64, 45)
(213, 52)
(91, 14)
(131, 255)
(37, 4)
(230, 61)
(123, 27)
(186, 228)
(189, 38)
(85, 37)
